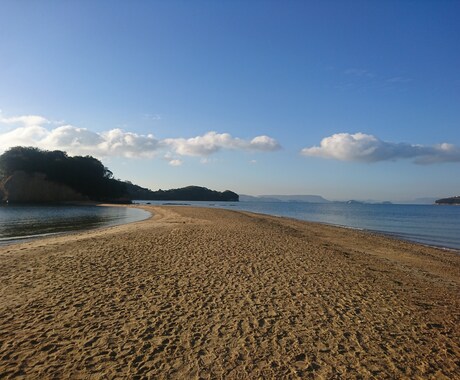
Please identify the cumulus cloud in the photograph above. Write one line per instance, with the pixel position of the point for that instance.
(76, 140)
(22, 136)
(212, 142)
(25, 120)
(264, 143)
(173, 161)
(361, 147)
(35, 131)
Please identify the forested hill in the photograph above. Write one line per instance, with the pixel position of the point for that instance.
(32, 174)
(449, 201)
(85, 175)
(189, 193)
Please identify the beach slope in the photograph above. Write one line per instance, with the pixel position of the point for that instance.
(206, 293)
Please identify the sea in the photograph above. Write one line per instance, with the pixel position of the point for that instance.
(427, 224)
(432, 225)
(22, 222)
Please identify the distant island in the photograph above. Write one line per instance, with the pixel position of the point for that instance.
(33, 175)
(188, 193)
(449, 201)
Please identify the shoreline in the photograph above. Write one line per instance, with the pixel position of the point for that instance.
(392, 235)
(213, 293)
(10, 240)
(396, 235)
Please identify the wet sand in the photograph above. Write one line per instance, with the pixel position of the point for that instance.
(201, 293)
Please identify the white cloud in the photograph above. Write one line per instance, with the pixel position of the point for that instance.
(71, 138)
(361, 147)
(37, 131)
(212, 142)
(264, 143)
(22, 136)
(26, 120)
(175, 162)
(116, 142)
(76, 140)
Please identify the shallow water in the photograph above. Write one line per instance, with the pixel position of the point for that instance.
(18, 222)
(426, 224)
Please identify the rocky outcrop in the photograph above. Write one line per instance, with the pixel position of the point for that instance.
(24, 187)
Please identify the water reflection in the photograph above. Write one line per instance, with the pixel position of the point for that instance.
(24, 221)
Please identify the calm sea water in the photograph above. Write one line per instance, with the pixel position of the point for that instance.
(427, 224)
(29, 221)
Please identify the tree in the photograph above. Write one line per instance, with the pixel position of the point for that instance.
(87, 175)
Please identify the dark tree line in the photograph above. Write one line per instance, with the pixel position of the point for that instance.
(189, 193)
(86, 175)
(449, 201)
(91, 178)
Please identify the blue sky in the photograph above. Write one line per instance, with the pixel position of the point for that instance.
(356, 99)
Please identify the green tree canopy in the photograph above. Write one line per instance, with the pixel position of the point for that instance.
(87, 175)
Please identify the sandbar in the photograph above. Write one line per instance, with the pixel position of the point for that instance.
(197, 293)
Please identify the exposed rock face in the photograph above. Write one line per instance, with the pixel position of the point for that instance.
(24, 187)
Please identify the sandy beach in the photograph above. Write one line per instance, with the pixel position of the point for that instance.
(216, 294)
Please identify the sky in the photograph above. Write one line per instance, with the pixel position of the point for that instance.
(344, 99)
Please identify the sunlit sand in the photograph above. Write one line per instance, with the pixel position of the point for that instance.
(201, 293)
